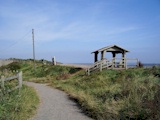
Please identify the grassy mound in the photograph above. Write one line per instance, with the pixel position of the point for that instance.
(111, 94)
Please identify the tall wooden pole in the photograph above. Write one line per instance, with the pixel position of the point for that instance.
(33, 50)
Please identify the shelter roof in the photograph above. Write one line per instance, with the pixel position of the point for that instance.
(112, 48)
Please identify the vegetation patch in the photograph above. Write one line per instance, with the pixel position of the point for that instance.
(111, 94)
(18, 105)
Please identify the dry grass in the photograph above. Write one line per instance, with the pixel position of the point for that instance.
(128, 94)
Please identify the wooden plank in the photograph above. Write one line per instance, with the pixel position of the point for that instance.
(20, 79)
(88, 71)
(18, 76)
(11, 78)
(101, 67)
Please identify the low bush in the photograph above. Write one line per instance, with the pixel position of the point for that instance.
(14, 66)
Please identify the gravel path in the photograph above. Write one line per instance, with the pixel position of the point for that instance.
(55, 105)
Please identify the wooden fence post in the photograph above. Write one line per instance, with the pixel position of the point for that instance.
(112, 63)
(100, 66)
(20, 79)
(126, 63)
(54, 60)
(2, 82)
(88, 71)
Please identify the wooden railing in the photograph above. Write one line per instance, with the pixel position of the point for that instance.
(114, 63)
(135, 60)
(99, 65)
(18, 77)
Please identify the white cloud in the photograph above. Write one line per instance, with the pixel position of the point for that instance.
(118, 30)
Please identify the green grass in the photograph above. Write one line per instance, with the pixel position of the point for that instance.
(110, 94)
(47, 72)
(18, 105)
(21, 105)
(127, 94)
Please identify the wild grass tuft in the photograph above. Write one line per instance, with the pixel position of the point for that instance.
(18, 105)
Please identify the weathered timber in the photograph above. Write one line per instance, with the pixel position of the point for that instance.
(18, 77)
(113, 63)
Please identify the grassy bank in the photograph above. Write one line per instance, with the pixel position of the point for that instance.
(129, 94)
(110, 94)
(18, 105)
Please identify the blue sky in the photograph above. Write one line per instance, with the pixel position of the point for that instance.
(72, 29)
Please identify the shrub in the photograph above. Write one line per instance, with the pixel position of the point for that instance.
(14, 66)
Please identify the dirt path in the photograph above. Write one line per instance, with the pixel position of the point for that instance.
(55, 105)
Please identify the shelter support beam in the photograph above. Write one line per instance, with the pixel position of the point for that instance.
(102, 55)
(113, 60)
(124, 60)
(95, 56)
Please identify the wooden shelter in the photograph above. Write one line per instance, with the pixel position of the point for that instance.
(113, 63)
(114, 49)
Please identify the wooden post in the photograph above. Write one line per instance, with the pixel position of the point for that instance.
(88, 71)
(112, 63)
(100, 66)
(2, 82)
(33, 50)
(137, 63)
(54, 60)
(123, 60)
(102, 55)
(113, 60)
(20, 79)
(125, 63)
(95, 56)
